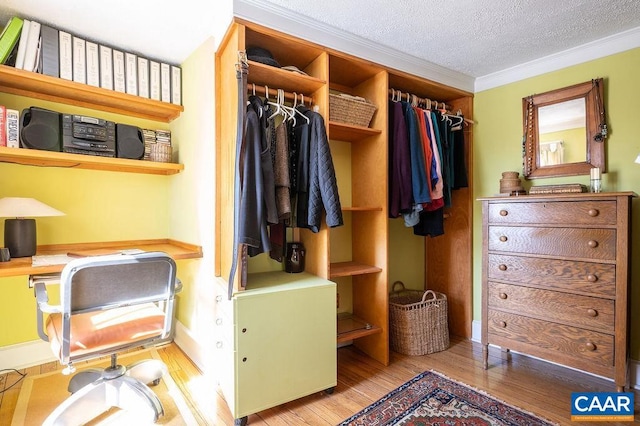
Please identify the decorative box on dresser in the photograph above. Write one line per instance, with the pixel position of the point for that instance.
(555, 279)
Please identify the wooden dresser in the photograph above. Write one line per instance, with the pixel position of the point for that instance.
(555, 279)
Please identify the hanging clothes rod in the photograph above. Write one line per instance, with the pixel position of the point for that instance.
(416, 100)
(299, 98)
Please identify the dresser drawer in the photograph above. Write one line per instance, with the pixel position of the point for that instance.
(556, 341)
(598, 279)
(578, 243)
(571, 309)
(596, 213)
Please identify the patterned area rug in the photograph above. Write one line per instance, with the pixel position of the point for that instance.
(433, 399)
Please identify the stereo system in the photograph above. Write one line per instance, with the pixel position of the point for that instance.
(52, 131)
(88, 135)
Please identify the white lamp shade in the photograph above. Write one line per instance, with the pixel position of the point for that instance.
(25, 207)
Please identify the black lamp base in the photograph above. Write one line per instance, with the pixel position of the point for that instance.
(20, 237)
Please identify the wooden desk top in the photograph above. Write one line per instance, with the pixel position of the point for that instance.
(23, 266)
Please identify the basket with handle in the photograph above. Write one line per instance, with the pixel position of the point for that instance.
(417, 321)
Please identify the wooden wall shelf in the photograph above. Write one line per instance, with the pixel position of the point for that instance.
(39, 86)
(23, 266)
(34, 157)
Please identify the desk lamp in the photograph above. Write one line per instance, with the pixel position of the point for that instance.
(20, 233)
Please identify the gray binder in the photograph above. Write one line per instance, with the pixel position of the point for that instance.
(49, 51)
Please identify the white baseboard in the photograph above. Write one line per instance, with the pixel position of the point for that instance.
(634, 365)
(189, 345)
(24, 355)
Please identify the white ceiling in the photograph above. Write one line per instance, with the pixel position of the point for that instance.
(476, 38)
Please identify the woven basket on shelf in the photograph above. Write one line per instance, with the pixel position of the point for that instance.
(418, 321)
(350, 109)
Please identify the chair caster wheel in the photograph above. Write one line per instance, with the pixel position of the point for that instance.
(330, 390)
(240, 422)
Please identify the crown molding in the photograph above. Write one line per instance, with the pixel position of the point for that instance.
(610, 45)
(286, 21)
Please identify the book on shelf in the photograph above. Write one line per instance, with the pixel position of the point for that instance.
(79, 60)
(558, 189)
(11, 59)
(31, 50)
(154, 80)
(9, 37)
(93, 64)
(22, 43)
(176, 85)
(3, 126)
(66, 55)
(118, 71)
(131, 73)
(165, 82)
(12, 119)
(49, 51)
(106, 68)
(143, 77)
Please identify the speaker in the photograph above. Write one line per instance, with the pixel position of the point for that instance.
(40, 129)
(129, 142)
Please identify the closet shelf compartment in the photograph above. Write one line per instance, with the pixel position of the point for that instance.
(39, 86)
(34, 157)
(276, 78)
(347, 269)
(350, 327)
(349, 132)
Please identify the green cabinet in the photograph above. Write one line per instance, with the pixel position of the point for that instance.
(280, 337)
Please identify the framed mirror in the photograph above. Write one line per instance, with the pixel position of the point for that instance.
(564, 131)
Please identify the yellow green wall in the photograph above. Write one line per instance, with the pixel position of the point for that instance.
(99, 206)
(497, 148)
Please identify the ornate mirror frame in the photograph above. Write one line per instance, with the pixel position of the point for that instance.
(596, 130)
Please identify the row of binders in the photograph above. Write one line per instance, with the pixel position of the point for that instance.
(32, 46)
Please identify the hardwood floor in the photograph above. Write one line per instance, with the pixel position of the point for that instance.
(533, 385)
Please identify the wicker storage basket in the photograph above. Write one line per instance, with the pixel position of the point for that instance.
(350, 109)
(418, 321)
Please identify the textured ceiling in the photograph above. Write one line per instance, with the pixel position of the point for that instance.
(473, 37)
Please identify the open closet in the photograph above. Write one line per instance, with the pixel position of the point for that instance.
(349, 269)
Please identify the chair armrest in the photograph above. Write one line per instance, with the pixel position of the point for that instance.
(42, 299)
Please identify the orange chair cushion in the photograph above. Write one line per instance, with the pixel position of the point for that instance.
(98, 331)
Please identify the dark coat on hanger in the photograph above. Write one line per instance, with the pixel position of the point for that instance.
(323, 187)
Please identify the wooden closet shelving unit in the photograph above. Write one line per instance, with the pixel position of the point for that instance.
(357, 255)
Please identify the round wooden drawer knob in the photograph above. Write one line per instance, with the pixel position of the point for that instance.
(593, 243)
(503, 238)
(503, 324)
(590, 346)
(592, 312)
(503, 296)
(502, 267)
(503, 212)
(592, 278)
(594, 212)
